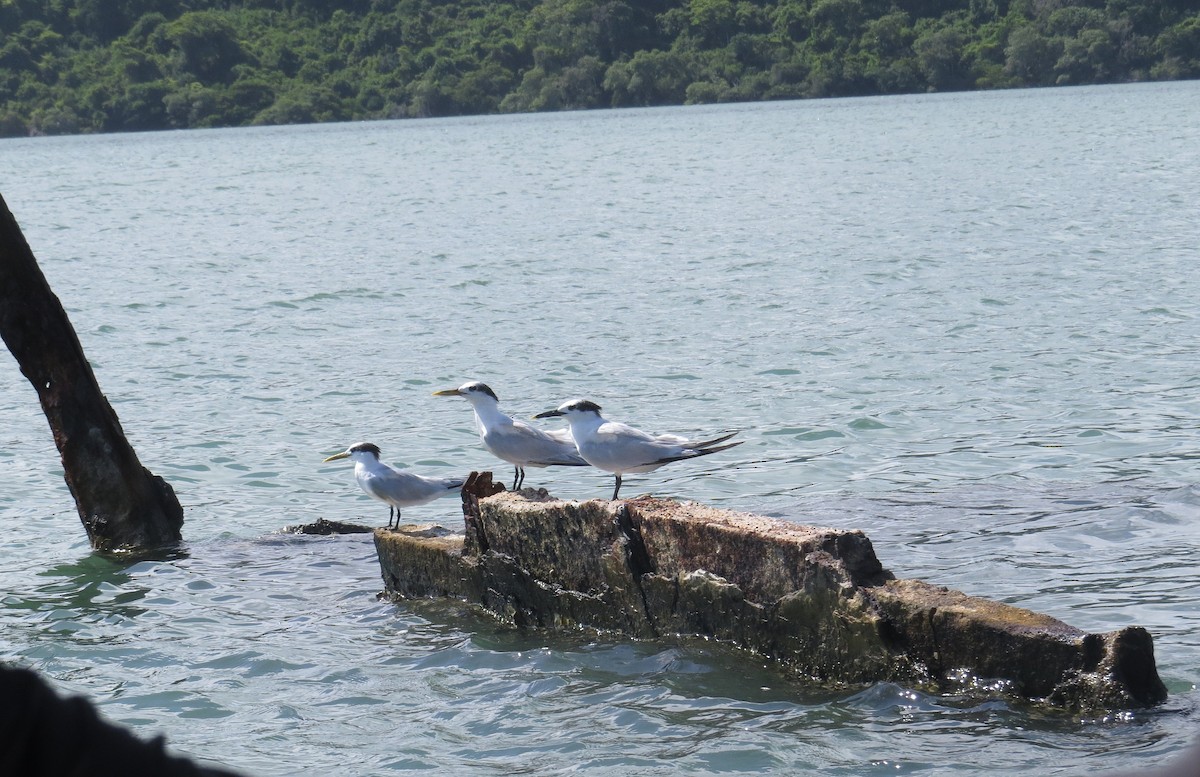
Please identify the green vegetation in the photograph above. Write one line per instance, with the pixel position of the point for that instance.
(71, 66)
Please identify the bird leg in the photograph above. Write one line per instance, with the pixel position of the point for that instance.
(521, 480)
(618, 488)
(390, 511)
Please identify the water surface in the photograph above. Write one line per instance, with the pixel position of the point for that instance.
(962, 323)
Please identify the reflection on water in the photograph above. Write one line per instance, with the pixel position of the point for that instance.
(94, 588)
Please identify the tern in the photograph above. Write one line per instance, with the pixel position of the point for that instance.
(520, 444)
(619, 448)
(388, 484)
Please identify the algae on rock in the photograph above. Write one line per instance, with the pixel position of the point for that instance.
(816, 600)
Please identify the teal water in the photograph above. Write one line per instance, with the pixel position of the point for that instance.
(965, 324)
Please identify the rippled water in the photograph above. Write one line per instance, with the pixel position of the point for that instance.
(965, 324)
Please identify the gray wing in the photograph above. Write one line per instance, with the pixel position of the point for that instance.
(528, 446)
(404, 489)
(618, 447)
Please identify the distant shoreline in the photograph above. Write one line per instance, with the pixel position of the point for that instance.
(154, 65)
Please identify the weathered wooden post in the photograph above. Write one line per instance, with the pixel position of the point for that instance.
(120, 502)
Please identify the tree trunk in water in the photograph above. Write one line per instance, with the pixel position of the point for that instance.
(120, 502)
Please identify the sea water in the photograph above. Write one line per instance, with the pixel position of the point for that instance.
(965, 324)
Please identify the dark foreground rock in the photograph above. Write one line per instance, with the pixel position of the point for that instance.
(815, 600)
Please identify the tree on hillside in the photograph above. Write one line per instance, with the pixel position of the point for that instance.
(111, 65)
(204, 48)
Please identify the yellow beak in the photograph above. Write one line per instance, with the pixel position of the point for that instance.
(336, 456)
(448, 393)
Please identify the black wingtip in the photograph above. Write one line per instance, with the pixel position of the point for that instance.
(694, 452)
(709, 443)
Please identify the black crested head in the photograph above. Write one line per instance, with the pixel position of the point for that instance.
(366, 447)
(583, 404)
(482, 388)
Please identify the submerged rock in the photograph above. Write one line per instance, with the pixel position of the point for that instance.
(816, 600)
(324, 528)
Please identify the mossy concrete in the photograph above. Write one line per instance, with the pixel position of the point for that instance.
(816, 600)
